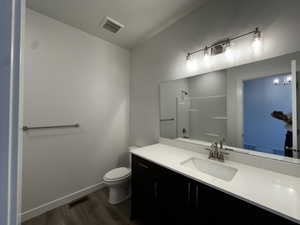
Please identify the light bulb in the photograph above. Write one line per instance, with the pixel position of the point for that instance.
(191, 64)
(257, 42)
(276, 81)
(228, 51)
(289, 79)
(206, 54)
(206, 57)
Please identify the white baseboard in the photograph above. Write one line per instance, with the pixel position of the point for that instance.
(29, 214)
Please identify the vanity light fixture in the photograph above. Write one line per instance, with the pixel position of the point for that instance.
(285, 81)
(188, 57)
(257, 36)
(225, 45)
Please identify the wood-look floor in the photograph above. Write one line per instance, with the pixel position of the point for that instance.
(95, 211)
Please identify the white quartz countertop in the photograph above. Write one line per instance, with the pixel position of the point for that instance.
(272, 191)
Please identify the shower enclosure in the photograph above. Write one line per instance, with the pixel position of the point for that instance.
(195, 107)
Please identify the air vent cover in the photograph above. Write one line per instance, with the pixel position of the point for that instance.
(111, 25)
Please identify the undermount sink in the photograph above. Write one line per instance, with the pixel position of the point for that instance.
(217, 170)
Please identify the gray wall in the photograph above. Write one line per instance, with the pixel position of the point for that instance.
(71, 77)
(163, 57)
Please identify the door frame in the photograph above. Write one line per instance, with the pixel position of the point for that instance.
(294, 107)
(11, 68)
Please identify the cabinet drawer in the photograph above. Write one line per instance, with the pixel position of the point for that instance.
(143, 164)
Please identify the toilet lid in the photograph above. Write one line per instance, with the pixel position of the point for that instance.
(117, 174)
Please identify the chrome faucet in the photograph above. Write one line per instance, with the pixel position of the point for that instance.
(221, 141)
(216, 152)
(213, 150)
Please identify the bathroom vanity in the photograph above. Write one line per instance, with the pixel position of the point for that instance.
(252, 110)
(171, 185)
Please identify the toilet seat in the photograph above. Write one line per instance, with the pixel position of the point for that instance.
(117, 174)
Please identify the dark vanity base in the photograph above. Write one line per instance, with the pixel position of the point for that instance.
(161, 196)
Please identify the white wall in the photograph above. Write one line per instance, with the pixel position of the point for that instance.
(71, 77)
(163, 57)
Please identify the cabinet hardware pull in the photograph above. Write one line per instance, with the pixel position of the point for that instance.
(197, 196)
(155, 190)
(143, 165)
(189, 192)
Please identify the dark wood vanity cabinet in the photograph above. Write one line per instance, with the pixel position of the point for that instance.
(144, 186)
(161, 196)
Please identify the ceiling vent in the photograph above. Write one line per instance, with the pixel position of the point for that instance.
(111, 25)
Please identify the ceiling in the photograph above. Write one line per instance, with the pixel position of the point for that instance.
(143, 19)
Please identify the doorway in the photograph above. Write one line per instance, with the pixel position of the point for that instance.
(262, 96)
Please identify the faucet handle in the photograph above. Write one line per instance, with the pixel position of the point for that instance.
(221, 156)
(221, 141)
(210, 154)
(214, 145)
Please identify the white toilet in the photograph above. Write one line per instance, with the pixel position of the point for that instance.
(118, 183)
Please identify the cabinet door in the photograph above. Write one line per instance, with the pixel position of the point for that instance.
(253, 215)
(145, 184)
(175, 199)
(206, 205)
(221, 208)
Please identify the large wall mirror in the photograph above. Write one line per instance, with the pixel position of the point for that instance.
(251, 107)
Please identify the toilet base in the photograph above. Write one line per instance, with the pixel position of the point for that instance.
(115, 201)
(119, 193)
